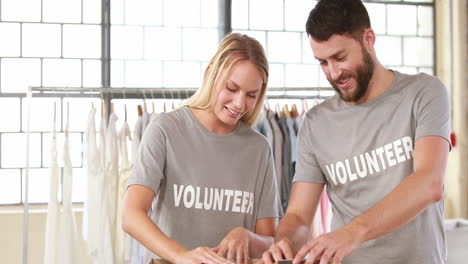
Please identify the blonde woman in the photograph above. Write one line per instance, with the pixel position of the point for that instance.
(203, 187)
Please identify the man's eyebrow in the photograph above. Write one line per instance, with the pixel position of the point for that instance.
(336, 54)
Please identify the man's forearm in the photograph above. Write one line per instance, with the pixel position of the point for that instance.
(404, 203)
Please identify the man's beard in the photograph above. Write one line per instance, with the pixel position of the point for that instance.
(363, 75)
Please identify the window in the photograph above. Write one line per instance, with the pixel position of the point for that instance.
(155, 43)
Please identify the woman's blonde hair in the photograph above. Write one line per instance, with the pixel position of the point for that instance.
(234, 48)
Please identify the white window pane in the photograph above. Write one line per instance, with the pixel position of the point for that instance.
(419, 1)
(174, 70)
(91, 73)
(260, 36)
(39, 185)
(78, 187)
(126, 42)
(277, 41)
(388, 50)
(418, 52)
(117, 11)
(42, 114)
(276, 76)
(425, 21)
(377, 15)
(182, 13)
(209, 13)
(163, 43)
(266, 19)
(10, 122)
(323, 81)
(14, 10)
(81, 41)
(14, 150)
(307, 54)
(296, 13)
(75, 149)
(143, 12)
(10, 187)
(92, 11)
(61, 11)
(79, 109)
(143, 74)
(300, 75)
(61, 72)
(199, 44)
(402, 19)
(117, 73)
(18, 74)
(429, 71)
(407, 70)
(41, 40)
(10, 44)
(240, 14)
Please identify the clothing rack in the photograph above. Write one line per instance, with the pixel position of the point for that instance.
(169, 93)
(107, 94)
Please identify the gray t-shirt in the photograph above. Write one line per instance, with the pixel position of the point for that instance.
(206, 183)
(362, 152)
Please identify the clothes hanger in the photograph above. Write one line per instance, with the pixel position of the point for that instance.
(286, 111)
(277, 109)
(140, 110)
(152, 100)
(294, 112)
(164, 105)
(305, 107)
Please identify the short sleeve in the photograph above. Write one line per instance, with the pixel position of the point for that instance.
(269, 203)
(150, 161)
(307, 166)
(432, 111)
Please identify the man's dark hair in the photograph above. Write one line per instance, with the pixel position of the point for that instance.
(342, 17)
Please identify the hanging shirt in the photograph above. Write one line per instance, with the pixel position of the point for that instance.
(69, 247)
(278, 148)
(92, 209)
(363, 151)
(286, 183)
(53, 210)
(108, 191)
(205, 180)
(122, 239)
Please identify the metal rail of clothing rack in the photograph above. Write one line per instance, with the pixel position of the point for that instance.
(107, 94)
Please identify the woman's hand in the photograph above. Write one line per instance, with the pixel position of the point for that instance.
(200, 255)
(235, 246)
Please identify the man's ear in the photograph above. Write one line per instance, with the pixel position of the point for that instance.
(368, 39)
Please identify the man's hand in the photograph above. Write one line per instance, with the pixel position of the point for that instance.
(200, 255)
(283, 249)
(235, 246)
(331, 246)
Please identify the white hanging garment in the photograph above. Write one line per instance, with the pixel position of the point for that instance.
(144, 121)
(137, 134)
(109, 192)
(69, 245)
(92, 206)
(53, 209)
(102, 143)
(122, 240)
